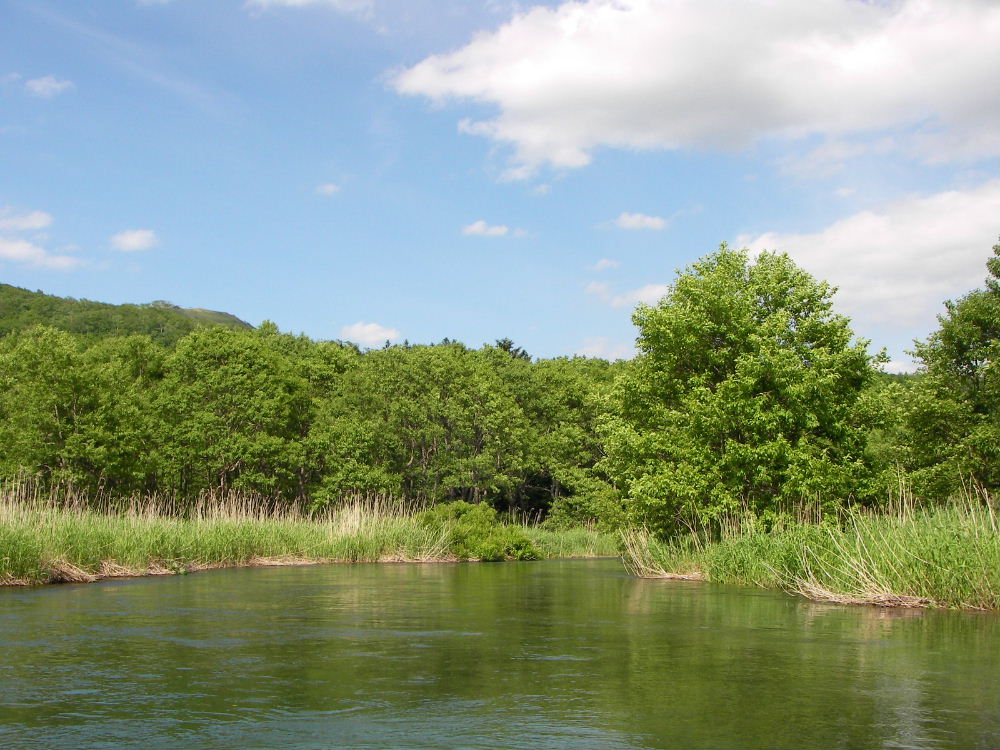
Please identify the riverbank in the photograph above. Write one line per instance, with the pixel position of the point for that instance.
(46, 542)
(944, 556)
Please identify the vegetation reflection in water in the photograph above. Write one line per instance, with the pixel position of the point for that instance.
(551, 654)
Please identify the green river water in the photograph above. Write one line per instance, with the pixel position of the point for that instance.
(557, 654)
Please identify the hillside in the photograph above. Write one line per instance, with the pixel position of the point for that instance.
(164, 322)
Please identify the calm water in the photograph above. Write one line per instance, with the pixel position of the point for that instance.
(570, 654)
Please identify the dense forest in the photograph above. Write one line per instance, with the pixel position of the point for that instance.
(749, 394)
(161, 321)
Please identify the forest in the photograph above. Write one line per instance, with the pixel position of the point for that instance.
(750, 398)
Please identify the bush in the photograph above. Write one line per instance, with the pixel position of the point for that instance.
(476, 532)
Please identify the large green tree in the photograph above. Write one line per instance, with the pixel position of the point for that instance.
(743, 398)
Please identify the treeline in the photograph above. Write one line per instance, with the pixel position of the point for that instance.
(163, 322)
(749, 396)
(287, 418)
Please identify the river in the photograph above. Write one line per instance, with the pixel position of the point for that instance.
(556, 654)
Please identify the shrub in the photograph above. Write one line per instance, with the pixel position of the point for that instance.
(476, 532)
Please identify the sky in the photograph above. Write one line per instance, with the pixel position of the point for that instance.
(377, 170)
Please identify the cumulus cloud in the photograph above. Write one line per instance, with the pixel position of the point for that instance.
(605, 348)
(133, 240)
(23, 222)
(28, 252)
(640, 221)
(20, 250)
(327, 188)
(668, 74)
(482, 229)
(47, 87)
(369, 334)
(604, 264)
(896, 265)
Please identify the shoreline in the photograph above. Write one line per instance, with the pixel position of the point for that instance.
(61, 571)
(875, 599)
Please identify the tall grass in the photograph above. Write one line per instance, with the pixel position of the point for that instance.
(573, 542)
(947, 556)
(66, 536)
(41, 541)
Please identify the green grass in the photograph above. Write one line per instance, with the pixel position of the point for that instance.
(573, 542)
(42, 540)
(946, 556)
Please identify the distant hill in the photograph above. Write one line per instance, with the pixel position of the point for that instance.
(164, 322)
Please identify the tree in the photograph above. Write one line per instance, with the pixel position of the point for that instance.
(952, 413)
(432, 422)
(232, 404)
(743, 397)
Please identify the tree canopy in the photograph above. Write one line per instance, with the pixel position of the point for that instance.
(743, 396)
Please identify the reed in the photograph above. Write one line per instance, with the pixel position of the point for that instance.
(944, 556)
(41, 541)
(68, 536)
(573, 542)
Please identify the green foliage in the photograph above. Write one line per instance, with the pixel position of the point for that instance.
(290, 419)
(474, 531)
(950, 416)
(744, 396)
(233, 405)
(161, 321)
(945, 555)
(445, 422)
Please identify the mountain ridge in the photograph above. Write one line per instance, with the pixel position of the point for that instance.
(163, 321)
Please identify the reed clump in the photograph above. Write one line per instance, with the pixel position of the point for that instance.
(43, 541)
(944, 556)
(581, 541)
(48, 537)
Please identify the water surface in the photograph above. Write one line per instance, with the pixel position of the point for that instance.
(558, 654)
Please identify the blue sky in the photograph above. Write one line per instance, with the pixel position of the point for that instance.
(421, 169)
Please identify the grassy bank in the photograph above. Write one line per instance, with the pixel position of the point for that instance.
(946, 556)
(69, 538)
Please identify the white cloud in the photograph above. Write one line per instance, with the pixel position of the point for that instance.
(29, 252)
(895, 266)
(22, 251)
(649, 294)
(605, 348)
(47, 87)
(667, 74)
(133, 240)
(844, 192)
(603, 264)
(482, 229)
(369, 334)
(900, 368)
(640, 221)
(327, 188)
(543, 189)
(31, 220)
(357, 7)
